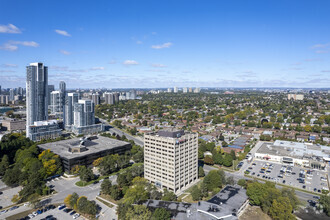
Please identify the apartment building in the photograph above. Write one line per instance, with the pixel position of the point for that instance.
(170, 159)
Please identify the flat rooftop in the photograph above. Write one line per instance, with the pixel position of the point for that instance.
(224, 204)
(97, 145)
(294, 149)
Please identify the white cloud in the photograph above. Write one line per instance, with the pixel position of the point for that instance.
(9, 65)
(321, 51)
(158, 65)
(10, 29)
(25, 43)
(62, 32)
(112, 62)
(139, 42)
(162, 46)
(97, 68)
(64, 52)
(319, 46)
(130, 62)
(12, 45)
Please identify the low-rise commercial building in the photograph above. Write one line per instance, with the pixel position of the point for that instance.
(83, 151)
(14, 124)
(295, 153)
(41, 130)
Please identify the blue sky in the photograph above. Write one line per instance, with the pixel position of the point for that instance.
(138, 44)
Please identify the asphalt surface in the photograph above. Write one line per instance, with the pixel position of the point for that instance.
(121, 133)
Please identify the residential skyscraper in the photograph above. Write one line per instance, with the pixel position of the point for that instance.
(96, 98)
(11, 94)
(171, 160)
(56, 105)
(50, 89)
(36, 94)
(175, 89)
(62, 89)
(185, 90)
(70, 101)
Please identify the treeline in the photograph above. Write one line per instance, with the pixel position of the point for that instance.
(218, 156)
(277, 203)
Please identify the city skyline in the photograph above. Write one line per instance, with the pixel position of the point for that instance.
(146, 44)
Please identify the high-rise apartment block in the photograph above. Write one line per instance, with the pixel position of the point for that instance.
(4, 99)
(111, 98)
(56, 104)
(175, 89)
(169, 90)
(70, 101)
(170, 159)
(185, 90)
(84, 118)
(51, 88)
(37, 126)
(95, 97)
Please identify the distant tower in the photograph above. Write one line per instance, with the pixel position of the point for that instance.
(175, 89)
(62, 88)
(36, 94)
(51, 88)
(71, 100)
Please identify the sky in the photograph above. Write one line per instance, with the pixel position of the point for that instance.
(153, 44)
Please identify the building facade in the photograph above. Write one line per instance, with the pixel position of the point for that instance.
(171, 159)
(70, 100)
(42, 130)
(36, 94)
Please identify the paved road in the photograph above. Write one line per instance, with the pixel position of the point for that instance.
(137, 140)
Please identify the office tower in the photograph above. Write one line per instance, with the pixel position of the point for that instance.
(56, 102)
(4, 99)
(190, 89)
(36, 93)
(70, 101)
(171, 160)
(175, 89)
(96, 98)
(169, 90)
(51, 88)
(185, 90)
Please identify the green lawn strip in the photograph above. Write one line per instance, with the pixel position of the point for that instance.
(105, 203)
(83, 183)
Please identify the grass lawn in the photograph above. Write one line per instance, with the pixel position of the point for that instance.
(107, 197)
(105, 203)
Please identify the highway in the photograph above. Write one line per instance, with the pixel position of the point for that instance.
(136, 140)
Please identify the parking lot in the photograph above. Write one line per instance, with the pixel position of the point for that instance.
(298, 177)
(7, 194)
(58, 214)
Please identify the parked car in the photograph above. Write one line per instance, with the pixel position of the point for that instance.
(76, 215)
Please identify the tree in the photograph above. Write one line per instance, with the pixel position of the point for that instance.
(168, 196)
(196, 193)
(106, 186)
(115, 192)
(214, 179)
(228, 160)
(136, 194)
(233, 154)
(122, 180)
(97, 162)
(138, 212)
(201, 172)
(67, 201)
(281, 209)
(4, 164)
(82, 204)
(73, 200)
(224, 144)
(325, 202)
(12, 176)
(242, 182)
(217, 158)
(51, 162)
(208, 160)
(86, 174)
(161, 214)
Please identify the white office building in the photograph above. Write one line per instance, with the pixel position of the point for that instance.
(170, 159)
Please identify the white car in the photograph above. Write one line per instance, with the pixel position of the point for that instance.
(34, 214)
(31, 216)
(76, 215)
